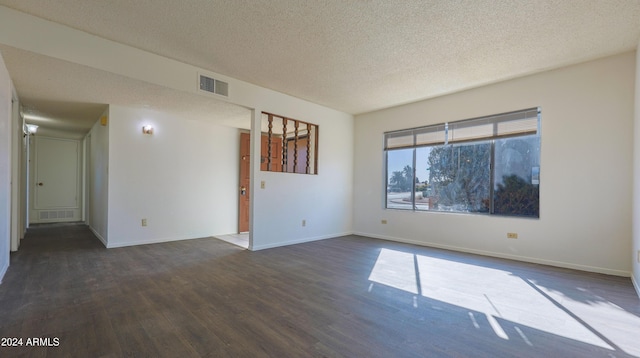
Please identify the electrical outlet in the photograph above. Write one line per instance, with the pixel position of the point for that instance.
(512, 235)
(262, 184)
(304, 222)
(383, 221)
(144, 222)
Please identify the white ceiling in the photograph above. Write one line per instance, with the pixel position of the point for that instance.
(352, 55)
(63, 96)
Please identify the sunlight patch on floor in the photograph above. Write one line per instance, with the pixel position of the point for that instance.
(604, 316)
(502, 296)
(395, 269)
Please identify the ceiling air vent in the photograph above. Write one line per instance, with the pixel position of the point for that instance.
(214, 86)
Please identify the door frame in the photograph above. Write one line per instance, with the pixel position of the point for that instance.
(244, 199)
(33, 208)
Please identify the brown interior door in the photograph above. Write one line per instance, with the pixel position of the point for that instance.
(276, 154)
(301, 166)
(243, 190)
(245, 172)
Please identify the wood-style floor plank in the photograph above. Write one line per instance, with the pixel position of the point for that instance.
(344, 297)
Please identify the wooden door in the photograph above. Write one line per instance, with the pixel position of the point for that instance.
(243, 192)
(276, 154)
(56, 184)
(299, 164)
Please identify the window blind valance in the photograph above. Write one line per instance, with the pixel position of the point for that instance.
(518, 123)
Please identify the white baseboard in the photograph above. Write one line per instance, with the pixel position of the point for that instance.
(152, 241)
(3, 270)
(104, 241)
(298, 241)
(636, 285)
(502, 255)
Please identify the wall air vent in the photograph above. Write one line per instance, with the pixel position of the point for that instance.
(212, 85)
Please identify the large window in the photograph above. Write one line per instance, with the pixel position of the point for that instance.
(482, 165)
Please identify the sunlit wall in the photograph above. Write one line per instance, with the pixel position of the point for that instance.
(585, 169)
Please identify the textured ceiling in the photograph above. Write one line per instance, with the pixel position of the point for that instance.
(360, 55)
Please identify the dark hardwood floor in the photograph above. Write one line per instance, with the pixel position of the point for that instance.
(345, 297)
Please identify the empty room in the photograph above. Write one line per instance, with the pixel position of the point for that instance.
(327, 179)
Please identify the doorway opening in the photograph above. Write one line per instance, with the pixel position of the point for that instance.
(244, 193)
(56, 186)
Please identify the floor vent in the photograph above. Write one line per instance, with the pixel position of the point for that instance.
(212, 85)
(56, 214)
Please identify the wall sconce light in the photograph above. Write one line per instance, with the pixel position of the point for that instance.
(148, 129)
(30, 129)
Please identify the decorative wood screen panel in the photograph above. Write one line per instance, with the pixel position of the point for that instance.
(288, 145)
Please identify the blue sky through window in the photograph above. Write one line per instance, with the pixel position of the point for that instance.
(400, 158)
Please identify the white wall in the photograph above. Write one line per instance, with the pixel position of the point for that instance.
(17, 145)
(183, 179)
(98, 178)
(586, 175)
(324, 201)
(5, 167)
(635, 250)
(276, 217)
(23, 158)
